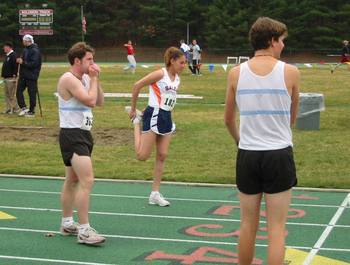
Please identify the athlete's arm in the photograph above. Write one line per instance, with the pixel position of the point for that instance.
(230, 104)
(292, 78)
(70, 86)
(145, 81)
(100, 95)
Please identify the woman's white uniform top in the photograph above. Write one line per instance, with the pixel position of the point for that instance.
(264, 105)
(72, 113)
(162, 94)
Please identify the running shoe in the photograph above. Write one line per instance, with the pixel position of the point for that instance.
(157, 198)
(90, 236)
(71, 230)
(137, 118)
(23, 111)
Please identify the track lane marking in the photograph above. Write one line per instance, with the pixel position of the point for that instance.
(160, 216)
(146, 197)
(327, 231)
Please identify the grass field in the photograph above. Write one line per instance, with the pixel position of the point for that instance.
(201, 150)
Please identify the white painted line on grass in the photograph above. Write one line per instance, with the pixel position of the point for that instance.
(142, 95)
(158, 216)
(327, 231)
(170, 198)
(53, 260)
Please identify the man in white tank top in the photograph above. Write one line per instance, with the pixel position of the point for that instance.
(79, 91)
(265, 92)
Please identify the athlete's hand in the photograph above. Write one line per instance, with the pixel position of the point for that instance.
(94, 70)
(132, 114)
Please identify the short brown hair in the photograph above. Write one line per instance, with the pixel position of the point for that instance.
(172, 53)
(263, 30)
(79, 50)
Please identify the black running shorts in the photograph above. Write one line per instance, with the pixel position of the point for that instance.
(270, 171)
(77, 141)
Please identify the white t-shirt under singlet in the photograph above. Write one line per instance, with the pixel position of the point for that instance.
(264, 105)
(162, 94)
(72, 113)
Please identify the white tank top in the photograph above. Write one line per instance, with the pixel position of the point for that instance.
(264, 106)
(162, 94)
(72, 113)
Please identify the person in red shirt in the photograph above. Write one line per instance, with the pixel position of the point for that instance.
(130, 57)
(345, 56)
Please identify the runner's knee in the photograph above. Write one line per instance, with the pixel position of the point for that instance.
(161, 156)
(142, 156)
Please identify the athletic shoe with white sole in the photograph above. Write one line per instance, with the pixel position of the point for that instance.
(90, 236)
(157, 198)
(71, 230)
(137, 118)
(29, 114)
(23, 111)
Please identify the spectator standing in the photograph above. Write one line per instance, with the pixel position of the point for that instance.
(345, 52)
(196, 51)
(30, 66)
(9, 73)
(345, 55)
(130, 57)
(185, 49)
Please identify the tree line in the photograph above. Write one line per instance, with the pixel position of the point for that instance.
(217, 24)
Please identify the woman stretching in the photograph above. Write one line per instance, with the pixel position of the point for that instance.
(157, 125)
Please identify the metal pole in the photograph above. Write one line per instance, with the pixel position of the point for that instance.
(41, 112)
(82, 17)
(188, 33)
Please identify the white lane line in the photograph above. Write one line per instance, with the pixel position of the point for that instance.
(327, 231)
(336, 249)
(160, 216)
(146, 197)
(190, 184)
(53, 260)
(173, 240)
(117, 196)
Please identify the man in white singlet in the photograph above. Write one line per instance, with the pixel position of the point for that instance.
(265, 91)
(79, 91)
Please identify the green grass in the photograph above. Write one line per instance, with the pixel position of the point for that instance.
(201, 150)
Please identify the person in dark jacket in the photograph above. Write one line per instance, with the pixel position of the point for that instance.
(9, 73)
(30, 66)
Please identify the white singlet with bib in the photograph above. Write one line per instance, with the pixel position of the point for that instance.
(162, 94)
(74, 114)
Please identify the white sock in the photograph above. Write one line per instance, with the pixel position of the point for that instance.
(82, 227)
(67, 221)
(153, 193)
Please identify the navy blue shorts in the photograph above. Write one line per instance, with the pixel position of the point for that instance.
(270, 171)
(157, 120)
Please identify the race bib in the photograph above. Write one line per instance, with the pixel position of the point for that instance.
(168, 101)
(87, 121)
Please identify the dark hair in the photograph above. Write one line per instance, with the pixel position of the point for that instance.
(263, 30)
(8, 44)
(79, 50)
(172, 53)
